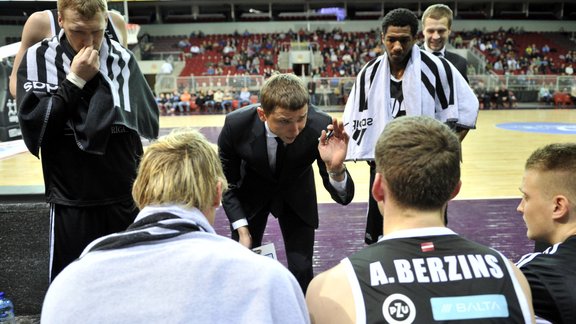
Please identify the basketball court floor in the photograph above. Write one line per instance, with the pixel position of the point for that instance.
(484, 211)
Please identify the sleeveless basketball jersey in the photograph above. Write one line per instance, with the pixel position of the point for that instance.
(552, 278)
(110, 28)
(396, 98)
(432, 275)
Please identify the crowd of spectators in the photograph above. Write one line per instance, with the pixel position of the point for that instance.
(497, 98)
(517, 52)
(204, 101)
(344, 53)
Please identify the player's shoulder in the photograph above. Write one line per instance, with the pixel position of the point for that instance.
(115, 15)
(39, 25)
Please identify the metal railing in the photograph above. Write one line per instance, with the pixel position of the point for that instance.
(334, 91)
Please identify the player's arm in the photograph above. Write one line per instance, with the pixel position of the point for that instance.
(36, 28)
(329, 298)
(461, 132)
(120, 26)
(525, 287)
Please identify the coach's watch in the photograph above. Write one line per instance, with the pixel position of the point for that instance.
(337, 173)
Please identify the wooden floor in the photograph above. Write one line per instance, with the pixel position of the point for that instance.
(492, 168)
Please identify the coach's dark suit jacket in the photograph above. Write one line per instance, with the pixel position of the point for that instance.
(252, 184)
(459, 62)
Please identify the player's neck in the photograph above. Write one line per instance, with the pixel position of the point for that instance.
(397, 219)
(397, 71)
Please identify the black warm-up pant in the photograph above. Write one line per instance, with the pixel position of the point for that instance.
(73, 228)
(298, 241)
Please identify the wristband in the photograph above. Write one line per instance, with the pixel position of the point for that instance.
(74, 78)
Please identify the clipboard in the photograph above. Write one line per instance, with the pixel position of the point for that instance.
(267, 250)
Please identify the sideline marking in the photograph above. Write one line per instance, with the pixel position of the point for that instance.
(539, 127)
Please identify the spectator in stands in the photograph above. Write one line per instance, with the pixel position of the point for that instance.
(312, 91)
(569, 70)
(218, 99)
(184, 104)
(470, 70)
(500, 97)
(483, 95)
(175, 99)
(255, 69)
(170, 109)
(267, 72)
(209, 102)
(170, 266)
(406, 277)
(391, 82)
(183, 44)
(562, 98)
(535, 51)
(166, 68)
(548, 207)
(498, 65)
(161, 101)
(229, 48)
(569, 57)
(482, 45)
(210, 70)
(458, 41)
(195, 49)
(244, 97)
(268, 59)
(528, 51)
(200, 99)
(227, 100)
(544, 94)
(512, 101)
(512, 63)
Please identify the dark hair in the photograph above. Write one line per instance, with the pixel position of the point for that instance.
(400, 17)
(419, 157)
(286, 91)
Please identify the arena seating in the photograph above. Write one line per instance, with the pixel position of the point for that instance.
(558, 46)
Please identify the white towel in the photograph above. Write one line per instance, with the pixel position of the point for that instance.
(432, 86)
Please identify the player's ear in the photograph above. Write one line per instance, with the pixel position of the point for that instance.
(261, 114)
(456, 190)
(377, 187)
